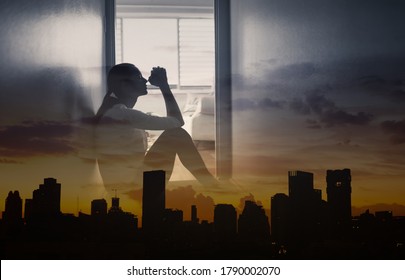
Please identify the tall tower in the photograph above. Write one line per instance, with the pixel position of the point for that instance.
(305, 206)
(225, 221)
(300, 184)
(12, 216)
(339, 192)
(46, 200)
(115, 205)
(99, 207)
(253, 223)
(280, 218)
(13, 209)
(194, 217)
(153, 200)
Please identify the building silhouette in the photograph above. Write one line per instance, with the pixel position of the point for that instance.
(12, 215)
(339, 199)
(99, 207)
(115, 206)
(300, 185)
(121, 224)
(194, 217)
(280, 218)
(153, 200)
(45, 202)
(114, 224)
(253, 224)
(297, 228)
(172, 216)
(301, 216)
(13, 207)
(172, 225)
(305, 207)
(384, 217)
(225, 218)
(301, 188)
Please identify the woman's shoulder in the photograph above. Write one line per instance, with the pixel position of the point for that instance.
(121, 111)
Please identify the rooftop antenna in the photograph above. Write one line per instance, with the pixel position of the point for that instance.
(115, 191)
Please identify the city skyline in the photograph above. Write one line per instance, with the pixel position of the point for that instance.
(301, 225)
(188, 203)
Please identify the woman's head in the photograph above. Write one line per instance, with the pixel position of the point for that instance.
(126, 82)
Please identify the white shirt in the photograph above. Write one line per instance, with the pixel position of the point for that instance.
(121, 130)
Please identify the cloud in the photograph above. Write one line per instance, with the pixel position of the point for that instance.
(294, 71)
(270, 103)
(340, 117)
(393, 89)
(9, 161)
(182, 198)
(319, 103)
(36, 138)
(242, 201)
(396, 129)
(378, 75)
(372, 82)
(49, 93)
(313, 124)
(244, 104)
(135, 194)
(299, 106)
(327, 112)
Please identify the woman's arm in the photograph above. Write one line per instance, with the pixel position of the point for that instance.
(158, 78)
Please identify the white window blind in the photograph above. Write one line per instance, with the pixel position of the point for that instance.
(118, 41)
(194, 56)
(196, 52)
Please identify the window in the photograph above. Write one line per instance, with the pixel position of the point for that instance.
(149, 43)
(179, 39)
(180, 36)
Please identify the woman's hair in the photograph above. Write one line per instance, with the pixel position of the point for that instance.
(119, 72)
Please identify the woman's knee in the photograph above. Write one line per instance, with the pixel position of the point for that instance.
(177, 133)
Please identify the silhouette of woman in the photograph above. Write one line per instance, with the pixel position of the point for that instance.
(121, 140)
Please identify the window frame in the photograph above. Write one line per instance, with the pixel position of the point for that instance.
(168, 12)
(223, 73)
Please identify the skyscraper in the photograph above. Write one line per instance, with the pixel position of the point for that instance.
(194, 217)
(115, 206)
(99, 207)
(45, 201)
(12, 215)
(280, 218)
(300, 184)
(173, 217)
(253, 223)
(339, 191)
(13, 208)
(153, 200)
(225, 221)
(305, 206)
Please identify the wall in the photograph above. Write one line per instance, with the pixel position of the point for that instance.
(51, 78)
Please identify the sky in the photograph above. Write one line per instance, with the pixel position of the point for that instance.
(320, 85)
(317, 85)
